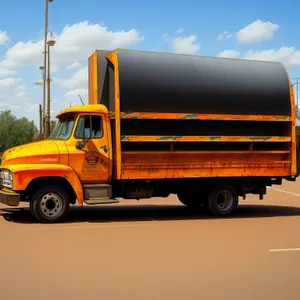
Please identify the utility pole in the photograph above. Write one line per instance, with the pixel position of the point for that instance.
(48, 90)
(45, 66)
(50, 43)
(41, 119)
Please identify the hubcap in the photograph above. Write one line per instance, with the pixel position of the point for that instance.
(224, 200)
(51, 205)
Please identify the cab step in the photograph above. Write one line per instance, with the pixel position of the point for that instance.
(102, 200)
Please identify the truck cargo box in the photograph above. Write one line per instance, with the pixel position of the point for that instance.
(221, 113)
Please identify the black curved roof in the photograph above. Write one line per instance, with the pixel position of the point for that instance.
(166, 82)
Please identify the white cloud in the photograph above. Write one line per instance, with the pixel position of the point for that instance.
(9, 83)
(164, 36)
(6, 72)
(185, 45)
(7, 64)
(21, 94)
(33, 107)
(289, 56)
(76, 92)
(22, 87)
(24, 54)
(74, 43)
(78, 80)
(74, 66)
(70, 98)
(179, 31)
(229, 54)
(224, 36)
(3, 37)
(33, 112)
(54, 67)
(70, 53)
(258, 31)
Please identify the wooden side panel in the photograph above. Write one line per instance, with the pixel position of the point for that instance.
(153, 165)
(92, 79)
(209, 170)
(133, 138)
(292, 133)
(113, 58)
(214, 117)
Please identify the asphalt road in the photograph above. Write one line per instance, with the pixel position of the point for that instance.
(155, 249)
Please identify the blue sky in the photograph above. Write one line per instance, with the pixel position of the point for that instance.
(265, 30)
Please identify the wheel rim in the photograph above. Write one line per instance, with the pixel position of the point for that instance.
(224, 200)
(51, 205)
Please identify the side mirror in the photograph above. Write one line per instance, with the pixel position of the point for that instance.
(79, 145)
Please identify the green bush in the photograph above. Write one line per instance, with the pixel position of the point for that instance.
(14, 131)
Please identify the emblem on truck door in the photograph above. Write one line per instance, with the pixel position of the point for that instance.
(92, 158)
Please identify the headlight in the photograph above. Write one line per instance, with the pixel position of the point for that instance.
(6, 178)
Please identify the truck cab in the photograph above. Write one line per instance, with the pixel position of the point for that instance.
(74, 161)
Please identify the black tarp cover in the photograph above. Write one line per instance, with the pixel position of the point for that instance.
(166, 82)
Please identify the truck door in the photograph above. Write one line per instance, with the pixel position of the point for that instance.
(90, 157)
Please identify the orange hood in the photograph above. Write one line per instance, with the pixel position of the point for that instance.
(41, 152)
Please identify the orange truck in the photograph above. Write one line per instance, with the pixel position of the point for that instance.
(207, 129)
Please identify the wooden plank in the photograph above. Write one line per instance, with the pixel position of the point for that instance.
(214, 117)
(162, 158)
(144, 153)
(206, 171)
(293, 132)
(117, 153)
(136, 138)
(93, 79)
(203, 165)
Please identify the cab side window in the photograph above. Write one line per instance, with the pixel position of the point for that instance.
(89, 127)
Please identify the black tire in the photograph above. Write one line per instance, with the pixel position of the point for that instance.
(195, 201)
(50, 204)
(228, 206)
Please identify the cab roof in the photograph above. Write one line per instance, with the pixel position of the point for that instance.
(88, 108)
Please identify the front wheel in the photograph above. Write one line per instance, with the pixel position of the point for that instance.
(50, 204)
(223, 200)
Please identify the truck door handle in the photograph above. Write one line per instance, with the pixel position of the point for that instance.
(104, 148)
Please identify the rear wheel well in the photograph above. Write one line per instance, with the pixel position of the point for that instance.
(37, 183)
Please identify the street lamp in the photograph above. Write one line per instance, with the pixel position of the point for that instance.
(40, 106)
(50, 43)
(45, 61)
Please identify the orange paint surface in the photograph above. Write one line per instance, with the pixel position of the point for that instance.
(185, 116)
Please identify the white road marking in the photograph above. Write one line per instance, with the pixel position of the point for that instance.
(286, 192)
(283, 250)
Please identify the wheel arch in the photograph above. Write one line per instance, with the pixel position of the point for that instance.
(51, 180)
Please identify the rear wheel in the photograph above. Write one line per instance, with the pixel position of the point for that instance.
(223, 200)
(50, 204)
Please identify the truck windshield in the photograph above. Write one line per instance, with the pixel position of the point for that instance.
(63, 128)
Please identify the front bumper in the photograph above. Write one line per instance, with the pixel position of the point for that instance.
(9, 198)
